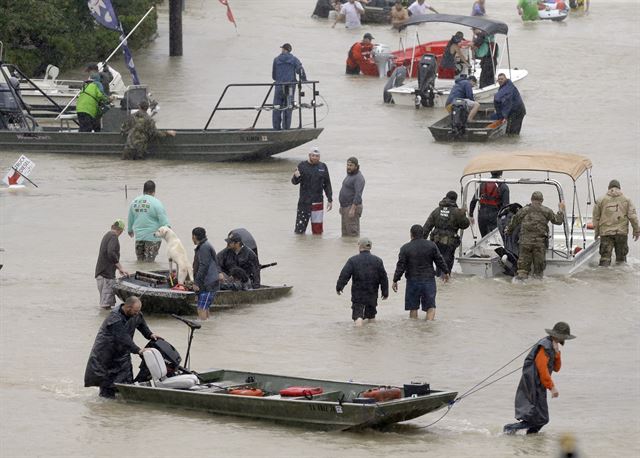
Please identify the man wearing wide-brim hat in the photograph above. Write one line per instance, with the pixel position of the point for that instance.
(531, 397)
(612, 215)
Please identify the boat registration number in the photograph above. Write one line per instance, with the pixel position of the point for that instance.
(256, 138)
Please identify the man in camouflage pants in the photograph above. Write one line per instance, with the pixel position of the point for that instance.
(534, 231)
(140, 129)
(611, 217)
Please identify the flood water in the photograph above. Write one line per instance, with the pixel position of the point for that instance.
(581, 96)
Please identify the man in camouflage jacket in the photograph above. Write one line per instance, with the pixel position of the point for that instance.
(140, 129)
(611, 217)
(534, 231)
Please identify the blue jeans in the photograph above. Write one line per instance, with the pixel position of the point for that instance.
(420, 292)
(282, 97)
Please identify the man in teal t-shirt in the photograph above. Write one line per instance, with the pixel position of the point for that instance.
(146, 215)
(528, 9)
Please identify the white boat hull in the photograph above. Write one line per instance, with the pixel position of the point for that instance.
(482, 260)
(405, 95)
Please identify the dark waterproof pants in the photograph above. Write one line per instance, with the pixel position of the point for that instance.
(487, 73)
(610, 242)
(302, 218)
(514, 121)
(283, 103)
(88, 124)
(487, 219)
(448, 252)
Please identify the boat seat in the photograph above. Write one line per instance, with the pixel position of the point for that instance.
(158, 369)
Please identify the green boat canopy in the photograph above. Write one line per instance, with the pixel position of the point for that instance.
(573, 165)
(486, 25)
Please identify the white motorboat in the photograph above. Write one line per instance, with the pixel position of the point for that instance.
(571, 248)
(433, 88)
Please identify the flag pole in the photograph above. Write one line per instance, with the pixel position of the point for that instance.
(128, 35)
(123, 41)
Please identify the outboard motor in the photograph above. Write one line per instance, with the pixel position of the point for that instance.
(509, 253)
(427, 71)
(385, 61)
(397, 79)
(459, 115)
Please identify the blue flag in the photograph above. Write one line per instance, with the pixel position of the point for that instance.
(103, 12)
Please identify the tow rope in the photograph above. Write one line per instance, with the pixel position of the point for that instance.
(479, 386)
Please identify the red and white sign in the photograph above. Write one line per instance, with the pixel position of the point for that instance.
(22, 168)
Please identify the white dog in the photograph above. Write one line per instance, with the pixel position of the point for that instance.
(176, 253)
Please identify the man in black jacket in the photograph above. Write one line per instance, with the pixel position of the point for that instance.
(206, 272)
(238, 255)
(109, 361)
(443, 224)
(313, 178)
(416, 261)
(367, 274)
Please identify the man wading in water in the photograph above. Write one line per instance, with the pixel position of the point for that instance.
(531, 396)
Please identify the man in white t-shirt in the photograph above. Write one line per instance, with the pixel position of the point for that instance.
(420, 7)
(351, 13)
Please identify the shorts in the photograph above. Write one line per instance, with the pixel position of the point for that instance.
(420, 292)
(366, 312)
(147, 251)
(105, 288)
(205, 299)
(467, 102)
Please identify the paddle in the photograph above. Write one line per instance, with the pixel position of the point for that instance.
(264, 266)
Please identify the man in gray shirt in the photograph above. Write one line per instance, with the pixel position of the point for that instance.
(351, 199)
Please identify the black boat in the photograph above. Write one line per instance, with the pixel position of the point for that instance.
(158, 296)
(481, 129)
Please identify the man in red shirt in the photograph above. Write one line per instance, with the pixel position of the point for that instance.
(359, 53)
(531, 396)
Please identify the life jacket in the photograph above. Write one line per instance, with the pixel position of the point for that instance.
(383, 394)
(296, 391)
(358, 53)
(490, 194)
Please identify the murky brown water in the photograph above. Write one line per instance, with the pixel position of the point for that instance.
(581, 96)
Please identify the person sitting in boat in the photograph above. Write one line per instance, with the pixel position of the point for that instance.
(237, 255)
(509, 105)
(453, 58)
(360, 53)
(398, 14)
(140, 129)
(90, 99)
(463, 90)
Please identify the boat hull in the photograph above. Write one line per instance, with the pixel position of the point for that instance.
(405, 95)
(331, 410)
(162, 299)
(188, 144)
(481, 129)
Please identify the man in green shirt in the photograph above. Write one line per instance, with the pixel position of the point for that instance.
(146, 215)
(528, 9)
(89, 100)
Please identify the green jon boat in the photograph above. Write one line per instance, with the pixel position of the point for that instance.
(338, 407)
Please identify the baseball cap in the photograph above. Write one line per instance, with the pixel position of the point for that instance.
(315, 150)
(233, 237)
(367, 35)
(119, 224)
(286, 47)
(365, 242)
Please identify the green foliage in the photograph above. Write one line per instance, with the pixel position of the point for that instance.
(36, 33)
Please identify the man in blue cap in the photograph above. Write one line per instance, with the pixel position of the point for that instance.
(285, 68)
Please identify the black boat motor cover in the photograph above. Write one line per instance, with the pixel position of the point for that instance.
(172, 359)
(155, 362)
(427, 72)
(459, 114)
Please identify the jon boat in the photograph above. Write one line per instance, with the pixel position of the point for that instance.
(316, 403)
(481, 129)
(408, 95)
(572, 247)
(554, 11)
(21, 132)
(157, 295)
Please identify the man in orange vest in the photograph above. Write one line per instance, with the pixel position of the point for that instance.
(359, 52)
(492, 197)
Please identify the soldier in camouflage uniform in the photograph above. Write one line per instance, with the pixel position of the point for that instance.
(611, 217)
(534, 232)
(443, 223)
(140, 129)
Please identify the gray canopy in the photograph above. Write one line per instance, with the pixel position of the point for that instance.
(486, 25)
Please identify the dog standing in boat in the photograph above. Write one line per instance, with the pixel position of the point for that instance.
(176, 253)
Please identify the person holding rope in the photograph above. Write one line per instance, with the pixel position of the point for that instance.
(367, 274)
(531, 396)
